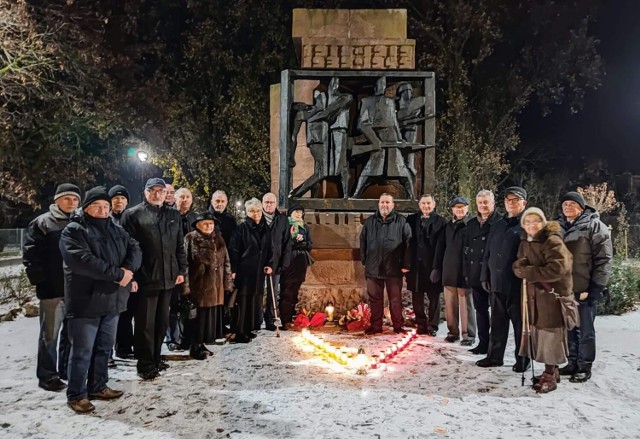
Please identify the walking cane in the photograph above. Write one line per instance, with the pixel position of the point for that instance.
(276, 319)
(526, 329)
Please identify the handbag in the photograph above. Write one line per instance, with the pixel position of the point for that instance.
(230, 298)
(568, 307)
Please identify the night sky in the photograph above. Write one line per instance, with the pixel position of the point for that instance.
(608, 127)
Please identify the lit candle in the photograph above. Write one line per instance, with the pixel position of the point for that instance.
(389, 352)
(329, 309)
(382, 357)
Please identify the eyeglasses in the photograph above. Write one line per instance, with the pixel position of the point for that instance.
(157, 191)
(269, 202)
(532, 223)
(512, 200)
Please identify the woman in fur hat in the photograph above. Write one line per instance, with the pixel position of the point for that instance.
(209, 277)
(545, 263)
(294, 272)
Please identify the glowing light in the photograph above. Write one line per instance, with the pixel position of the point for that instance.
(143, 156)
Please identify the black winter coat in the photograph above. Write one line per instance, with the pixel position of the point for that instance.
(159, 232)
(449, 258)
(476, 241)
(425, 233)
(186, 219)
(41, 253)
(226, 224)
(280, 241)
(250, 252)
(295, 270)
(385, 245)
(93, 250)
(499, 255)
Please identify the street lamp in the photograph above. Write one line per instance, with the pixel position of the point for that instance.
(143, 156)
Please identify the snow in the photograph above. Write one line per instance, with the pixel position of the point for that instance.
(277, 388)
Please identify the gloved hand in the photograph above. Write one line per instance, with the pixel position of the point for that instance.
(486, 286)
(435, 276)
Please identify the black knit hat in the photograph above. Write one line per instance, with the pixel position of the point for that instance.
(67, 189)
(295, 207)
(95, 194)
(203, 217)
(119, 190)
(574, 196)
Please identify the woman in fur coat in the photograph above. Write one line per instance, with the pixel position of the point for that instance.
(209, 277)
(545, 262)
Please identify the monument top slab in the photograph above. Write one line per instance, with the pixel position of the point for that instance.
(350, 23)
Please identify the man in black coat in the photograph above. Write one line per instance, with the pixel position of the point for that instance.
(99, 261)
(477, 235)
(281, 246)
(251, 258)
(158, 230)
(178, 332)
(426, 228)
(43, 261)
(385, 252)
(497, 276)
(124, 335)
(449, 260)
(225, 222)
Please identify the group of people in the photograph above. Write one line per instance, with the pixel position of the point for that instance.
(113, 279)
(480, 262)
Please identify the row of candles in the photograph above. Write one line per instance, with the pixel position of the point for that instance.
(387, 355)
(361, 362)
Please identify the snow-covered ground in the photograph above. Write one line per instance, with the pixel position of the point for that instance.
(274, 388)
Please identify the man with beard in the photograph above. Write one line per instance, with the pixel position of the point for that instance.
(225, 222)
(281, 246)
(43, 261)
(478, 229)
(506, 289)
(157, 228)
(426, 229)
(386, 256)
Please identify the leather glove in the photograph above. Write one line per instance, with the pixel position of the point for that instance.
(486, 286)
(435, 276)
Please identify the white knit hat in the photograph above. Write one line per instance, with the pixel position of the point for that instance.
(533, 211)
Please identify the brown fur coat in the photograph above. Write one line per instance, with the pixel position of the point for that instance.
(209, 269)
(545, 262)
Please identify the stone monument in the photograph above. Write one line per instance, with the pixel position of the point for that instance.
(355, 121)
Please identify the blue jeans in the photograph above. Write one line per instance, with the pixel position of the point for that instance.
(91, 343)
(582, 340)
(50, 364)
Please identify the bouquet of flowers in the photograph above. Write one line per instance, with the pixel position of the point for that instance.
(358, 319)
(309, 319)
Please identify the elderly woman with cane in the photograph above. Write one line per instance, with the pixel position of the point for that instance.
(251, 258)
(209, 278)
(544, 262)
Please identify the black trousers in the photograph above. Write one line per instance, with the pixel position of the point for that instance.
(481, 302)
(175, 330)
(243, 314)
(152, 320)
(422, 320)
(258, 310)
(289, 299)
(504, 309)
(124, 334)
(375, 291)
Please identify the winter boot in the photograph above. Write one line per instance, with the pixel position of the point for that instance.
(569, 369)
(546, 384)
(583, 374)
(556, 373)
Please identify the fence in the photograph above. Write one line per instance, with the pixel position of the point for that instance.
(11, 242)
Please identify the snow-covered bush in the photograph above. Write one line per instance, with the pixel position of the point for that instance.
(624, 289)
